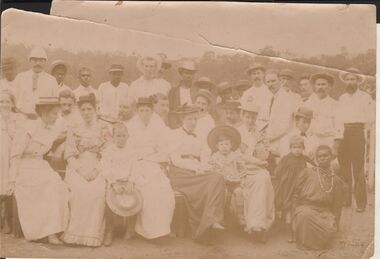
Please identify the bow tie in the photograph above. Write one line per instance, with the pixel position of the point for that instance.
(189, 133)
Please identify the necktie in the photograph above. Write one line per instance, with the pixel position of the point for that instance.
(271, 104)
(35, 81)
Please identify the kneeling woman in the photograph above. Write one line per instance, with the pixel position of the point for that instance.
(41, 195)
(148, 140)
(84, 144)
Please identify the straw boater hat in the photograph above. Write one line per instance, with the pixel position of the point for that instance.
(56, 63)
(206, 94)
(116, 68)
(231, 105)
(325, 76)
(223, 86)
(304, 113)
(204, 83)
(124, 204)
(187, 65)
(232, 133)
(38, 52)
(47, 101)
(186, 109)
(155, 57)
(242, 85)
(286, 73)
(249, 107)
(354, 71)
(253, 67)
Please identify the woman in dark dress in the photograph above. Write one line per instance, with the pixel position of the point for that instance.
(318, 201)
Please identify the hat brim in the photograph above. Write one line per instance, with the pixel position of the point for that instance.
(118, 210)
(249, 70)
(343, 74)
(204, 85)
(298, 114)
(232, 133)
(327, 77)
(247, 109)
(182, 69)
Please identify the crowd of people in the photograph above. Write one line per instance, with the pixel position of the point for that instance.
(79, 165)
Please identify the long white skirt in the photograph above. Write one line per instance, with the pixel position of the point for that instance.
(42, 199)
(155, 218)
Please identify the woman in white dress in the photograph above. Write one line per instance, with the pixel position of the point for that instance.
(84, 144)
(41, 195)
(148, 141)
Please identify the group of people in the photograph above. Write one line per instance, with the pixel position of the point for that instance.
(79, 164)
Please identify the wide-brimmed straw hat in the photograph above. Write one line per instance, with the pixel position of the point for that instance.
(206, 94)
(286, 73)
(231, 105)
(47, 101)
(228, 131)
(322, 75)
(204, 83)
(354, 71)
(116, 68)
(56, 63)
(187, 65)
(304, 113)
(254, 66)
(242, 84)
(124, 204)
(186, 109)
(223, 86)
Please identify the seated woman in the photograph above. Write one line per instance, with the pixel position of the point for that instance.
(148, 143)
(318, 199)
(41, 195)
(204, 192)
(84, 143)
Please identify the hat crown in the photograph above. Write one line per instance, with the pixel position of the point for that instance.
(48, 101)
(38, 52)
(303, 111)
(116, 67)
(188, 65)
(255, 66)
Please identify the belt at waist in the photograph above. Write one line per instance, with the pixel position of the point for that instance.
(191, 157)
(355, 125)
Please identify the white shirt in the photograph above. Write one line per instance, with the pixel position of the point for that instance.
(26, 96)
(184, 95)
(281, 116)
(205, 124)
(146, 88)
(309, 141)
(354, 108)
(109, 98)
(260, 96)
(81, 91)
(63, 87)
(323, 124)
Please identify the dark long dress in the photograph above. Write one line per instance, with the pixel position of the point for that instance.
(285, 176)
(317, 213)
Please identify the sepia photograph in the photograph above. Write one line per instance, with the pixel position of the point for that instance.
(188, 130)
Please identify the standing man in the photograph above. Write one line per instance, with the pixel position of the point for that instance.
(323, 125)
(354, 114)
(281, 109)
(305, 87)
(109, 93)
(183, 93)
(287, 82)
(34, 83)
(148, 84)
(85, 87)
(239, 89)
(8, 72)
(258, 93)
(59, 71)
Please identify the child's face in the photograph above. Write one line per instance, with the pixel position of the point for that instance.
(120, 137)
(296, 149)
(303, 124)
(224, 146)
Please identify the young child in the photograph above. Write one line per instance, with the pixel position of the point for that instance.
(285, 175)
(226, 160)
(115, 167)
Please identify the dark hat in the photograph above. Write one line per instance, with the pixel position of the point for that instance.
(253, 67)
(231, 105)
(116, 68)
(124, 204)
(56, 63)
(304, 113)
(351, 70)
(146, 100)
(322, 75)
(223, 87)
(286, 73)
(90, 98)
(47, 101)
(204, 82)
(187, 109)
(232, 133)
(7, 64)
(242, 84)
(206, 94)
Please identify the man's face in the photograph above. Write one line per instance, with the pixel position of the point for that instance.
(126, 111)
(257, 76)
(189, 121)
(324, 158)
(120, 136)
(162, 107)
(248, 119)
(351, 82)
(187, 76)
(38, 64)
(226, 94)
(150, 68)
(305, 88)
(273, 82)
(202, 103)
(116, 76)
(66, 104)
(232, 116)
(59, 73)
(85, 78)
(302, 124)
(321, 88)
